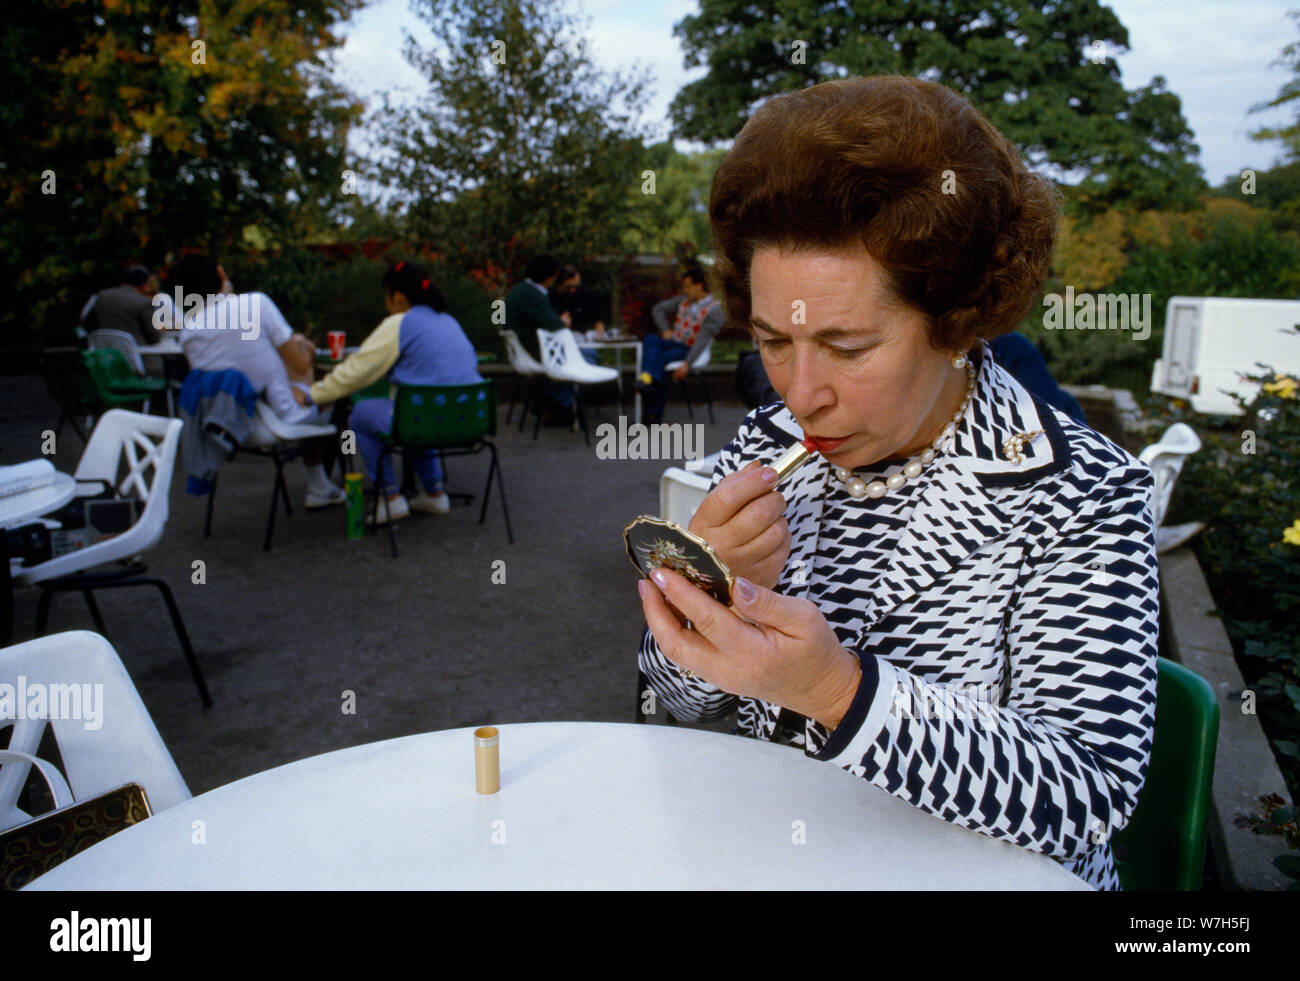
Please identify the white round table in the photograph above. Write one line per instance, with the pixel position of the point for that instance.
(18, 509)
(168, 347)
(581, 806)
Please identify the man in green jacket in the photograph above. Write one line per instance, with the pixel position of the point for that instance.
(528, 307)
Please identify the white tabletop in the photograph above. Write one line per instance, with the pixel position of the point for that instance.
(581, 806)
(164, 347)
(17, 509)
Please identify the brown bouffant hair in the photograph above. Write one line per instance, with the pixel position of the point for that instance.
(913, 172)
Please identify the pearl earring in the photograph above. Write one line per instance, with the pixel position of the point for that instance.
(959, 361)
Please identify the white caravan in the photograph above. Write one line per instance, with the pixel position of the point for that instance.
(1211, 342)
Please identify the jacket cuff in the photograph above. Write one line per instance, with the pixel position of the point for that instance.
(859, 710)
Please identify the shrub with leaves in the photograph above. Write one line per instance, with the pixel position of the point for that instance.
(1245, 485)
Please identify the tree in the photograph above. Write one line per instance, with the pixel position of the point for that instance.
(676, 216)
(1288, 93)
(1042, 72)
(521, 144)
(145, 127)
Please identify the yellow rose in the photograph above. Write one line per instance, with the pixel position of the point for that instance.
(1285, 386)
(1292, 535)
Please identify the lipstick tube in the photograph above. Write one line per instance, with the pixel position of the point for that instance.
(790, 460)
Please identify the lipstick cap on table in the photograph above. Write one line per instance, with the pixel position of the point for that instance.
(487, 760)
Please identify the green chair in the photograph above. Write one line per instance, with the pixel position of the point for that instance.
(456, 420)
(1163, 845)
(116, 383)
(68, 381)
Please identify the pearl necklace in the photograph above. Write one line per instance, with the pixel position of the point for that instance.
(859, 488)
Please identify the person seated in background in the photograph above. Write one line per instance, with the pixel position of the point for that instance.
(571, 297)
(419, 343)
(687, 323)
(1020, 356)
(127, 307)
(246, 332)
(528, 309)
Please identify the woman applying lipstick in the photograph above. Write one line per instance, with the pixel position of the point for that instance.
(920, 604)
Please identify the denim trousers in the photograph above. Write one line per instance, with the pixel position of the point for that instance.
(372, 419)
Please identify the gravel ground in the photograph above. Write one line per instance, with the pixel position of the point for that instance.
(425, 641)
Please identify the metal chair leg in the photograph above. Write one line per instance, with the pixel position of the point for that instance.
(94, 612)
(495, 468)
(580, 410)
(514, 394)
(708, 399)
(207, 522)
(282, 484)
(530, 395)
(174, 611)
(384, 454)
(43, 610)
(270, 517)
(686, 391)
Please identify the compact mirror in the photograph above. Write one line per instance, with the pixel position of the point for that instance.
(653, 543)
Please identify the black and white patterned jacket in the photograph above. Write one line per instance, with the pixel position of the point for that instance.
(1007, 628)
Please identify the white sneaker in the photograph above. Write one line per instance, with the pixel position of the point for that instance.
(397, 507)
(325, 497)
(438, 503)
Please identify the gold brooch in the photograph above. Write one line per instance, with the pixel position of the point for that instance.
(1012, 447)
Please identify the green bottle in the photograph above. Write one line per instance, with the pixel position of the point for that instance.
(356, 506)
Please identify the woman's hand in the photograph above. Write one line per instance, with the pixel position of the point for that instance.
(743, 520)
(787, 654)
(300, 396)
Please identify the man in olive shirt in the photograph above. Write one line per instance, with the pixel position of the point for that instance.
(528, 308)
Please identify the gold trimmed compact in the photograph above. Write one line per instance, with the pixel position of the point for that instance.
(653, 542)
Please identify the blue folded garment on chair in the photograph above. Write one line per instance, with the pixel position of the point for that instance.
(217, 407)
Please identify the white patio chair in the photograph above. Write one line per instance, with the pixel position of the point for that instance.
(566, 365)
(133, 455)
(696, 372)
(1165, 459)
(125, 748)
(527, 371)
(281, 441)
(120, 340)
(681, 491)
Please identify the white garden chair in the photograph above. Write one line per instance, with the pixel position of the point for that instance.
(1166, 459)
(681, 491)
(565, 364)
(133, 455)
(125, 748)
(527, 371)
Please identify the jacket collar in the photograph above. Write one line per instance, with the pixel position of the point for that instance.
(959, 510)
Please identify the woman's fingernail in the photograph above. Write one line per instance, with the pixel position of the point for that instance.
(641, 587)
(768, 475)
(746, 591)
(660, 579)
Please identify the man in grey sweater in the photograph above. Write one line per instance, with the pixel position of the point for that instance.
(126, 307)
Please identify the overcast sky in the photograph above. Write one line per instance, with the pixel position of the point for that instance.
(1216, 55)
